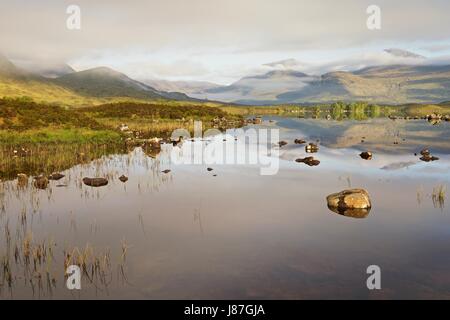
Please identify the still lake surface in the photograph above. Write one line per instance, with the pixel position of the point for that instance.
(189, 234)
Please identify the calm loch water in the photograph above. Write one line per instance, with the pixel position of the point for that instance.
(189, 234)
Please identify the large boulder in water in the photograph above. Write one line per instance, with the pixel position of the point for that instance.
(353, 203)
(95, 182)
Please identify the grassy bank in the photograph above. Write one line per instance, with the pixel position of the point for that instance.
(23, 121)
(52, 157)
(157, 119)
(58, 135)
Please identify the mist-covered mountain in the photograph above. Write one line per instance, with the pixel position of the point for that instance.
(9, 70)
(256, 89)
(101, 82)
(393, 84)
(387, 84)
(187, 87)
(44, 68)
(106, 82)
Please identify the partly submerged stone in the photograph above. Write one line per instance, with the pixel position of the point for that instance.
(95, 182)
(56, 176)
(428, 158)
(310, 161)
(311, 148)
(352, 203)
(41, 182)
(366, 155)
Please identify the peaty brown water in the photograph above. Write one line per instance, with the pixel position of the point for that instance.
(189, 234)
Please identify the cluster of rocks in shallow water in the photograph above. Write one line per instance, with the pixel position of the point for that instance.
(429, 117)
(40, 182)
(437, 116)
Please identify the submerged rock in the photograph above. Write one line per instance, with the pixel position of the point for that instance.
(165, 171)
(366, 155)
(312, 148)
(41, 182)
(428, 158)
(353, 203)
(282, 143)
(56, 176)
(95, 182)
(123, 178)
(310, 161)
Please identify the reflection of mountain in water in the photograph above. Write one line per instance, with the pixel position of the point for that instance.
(379, 135)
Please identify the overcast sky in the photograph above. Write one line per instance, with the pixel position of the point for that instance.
(221, 41)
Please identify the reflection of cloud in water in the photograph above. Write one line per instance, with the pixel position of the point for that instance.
(378, 134)
(348, 159)
(398, 165)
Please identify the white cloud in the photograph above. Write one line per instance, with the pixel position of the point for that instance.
(211, 39)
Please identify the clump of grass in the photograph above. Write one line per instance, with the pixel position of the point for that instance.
(95, 266)
(419, 195)
(438, 196)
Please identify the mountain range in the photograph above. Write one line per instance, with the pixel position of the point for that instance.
(389, 84)
(70, 87)
(393, 84)
(187, 87)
